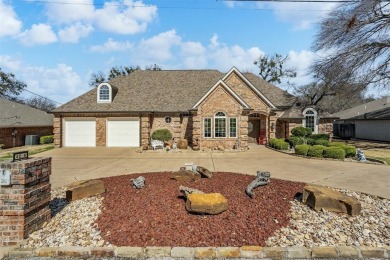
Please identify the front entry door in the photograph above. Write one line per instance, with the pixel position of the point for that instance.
(253, 131)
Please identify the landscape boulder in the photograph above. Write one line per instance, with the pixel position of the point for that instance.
(204, 172)
(210, 203)
(182, 144)
(82, 189)
(185, 175)
(319, 197)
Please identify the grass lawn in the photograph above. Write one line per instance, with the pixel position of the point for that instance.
(379, 154)
(31, 151)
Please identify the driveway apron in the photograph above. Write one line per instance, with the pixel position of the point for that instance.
(71, 164)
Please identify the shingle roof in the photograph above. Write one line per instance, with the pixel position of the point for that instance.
(368, 108)
(164, 91)
(18, 115)
(296, 111)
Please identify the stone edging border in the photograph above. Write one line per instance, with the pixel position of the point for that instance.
(244, 252)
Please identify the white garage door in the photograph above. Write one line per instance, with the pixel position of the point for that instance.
(123, 132)
(80, 132)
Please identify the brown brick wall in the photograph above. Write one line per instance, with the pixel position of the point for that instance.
(7, 139)
(24, 205)
(220, 100)
(245, 93)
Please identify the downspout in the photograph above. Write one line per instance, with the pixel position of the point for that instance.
(60, 130)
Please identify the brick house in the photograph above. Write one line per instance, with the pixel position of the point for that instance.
(207, 107)
(18, 120)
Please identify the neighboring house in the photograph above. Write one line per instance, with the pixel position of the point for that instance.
(18, 120)
(206, 107)
(369, 121)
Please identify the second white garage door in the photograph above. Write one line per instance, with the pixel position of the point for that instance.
(123, 132)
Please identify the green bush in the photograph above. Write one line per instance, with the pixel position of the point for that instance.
(337, 144)
(162, 135)
(281, 145)
(320, 136)
(301, 131)
(334, 152)
(310, 141)
(294, 140)
(46, 139)
(316, 151)
(350, 151)
(272, 142)
(302, 149)
(322, 142)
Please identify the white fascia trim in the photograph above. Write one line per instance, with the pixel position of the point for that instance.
(234, 69)
(231, 92)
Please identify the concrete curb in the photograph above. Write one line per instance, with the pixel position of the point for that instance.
(244, 252)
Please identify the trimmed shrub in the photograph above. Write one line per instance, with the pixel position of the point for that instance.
(302, 149)
(337, 144)
(350, 151)
(294, 140)
(162, 135)
(316, 151)
(334, 152)
(310, 141)
(281, 145)
(301, 131)
(46, 139)
(322, 142)
(272, 142)
(320, 136)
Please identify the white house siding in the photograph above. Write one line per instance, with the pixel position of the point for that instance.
(378, 130)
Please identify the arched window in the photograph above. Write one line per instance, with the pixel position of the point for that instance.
(310, 119)
(220, 124)
(104, 93)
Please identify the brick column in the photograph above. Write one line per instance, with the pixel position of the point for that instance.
(145, 131)
(57, 131)
(196, 132)
(24, 204)
(101, 131)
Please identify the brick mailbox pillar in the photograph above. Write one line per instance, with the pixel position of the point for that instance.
(25, 193)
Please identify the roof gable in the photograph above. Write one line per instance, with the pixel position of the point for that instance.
(229, 90)
(249, 84)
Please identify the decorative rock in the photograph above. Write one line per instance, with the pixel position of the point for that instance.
(185, 175)
(319, 197)
(262, 179)
(82, 189)
(204, 172)
(211, 203)
(138, 183)
(182, 144)
(221, 148)
(186, 191)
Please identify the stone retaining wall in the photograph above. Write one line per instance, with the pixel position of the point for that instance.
(24, 205)
(245, 252)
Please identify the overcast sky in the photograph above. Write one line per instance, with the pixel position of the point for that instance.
(54, 46)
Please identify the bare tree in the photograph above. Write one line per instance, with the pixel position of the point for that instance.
(40, 103)
(96, 79)
(272, 70)
(356, 34)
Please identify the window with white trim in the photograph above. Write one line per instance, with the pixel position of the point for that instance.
(104, 93)
(220, 125)
(233, 127)
(207, 127)
(310, 119)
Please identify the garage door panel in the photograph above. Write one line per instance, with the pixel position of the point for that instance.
(80, 133)
(124, 133)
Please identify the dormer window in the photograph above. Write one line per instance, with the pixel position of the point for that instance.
(104, 93)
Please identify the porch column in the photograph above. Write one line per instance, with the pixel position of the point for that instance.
(243, 131)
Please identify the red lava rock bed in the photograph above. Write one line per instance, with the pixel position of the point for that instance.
(156, 214)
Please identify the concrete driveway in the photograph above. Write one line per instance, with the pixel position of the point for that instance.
(71, 164)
